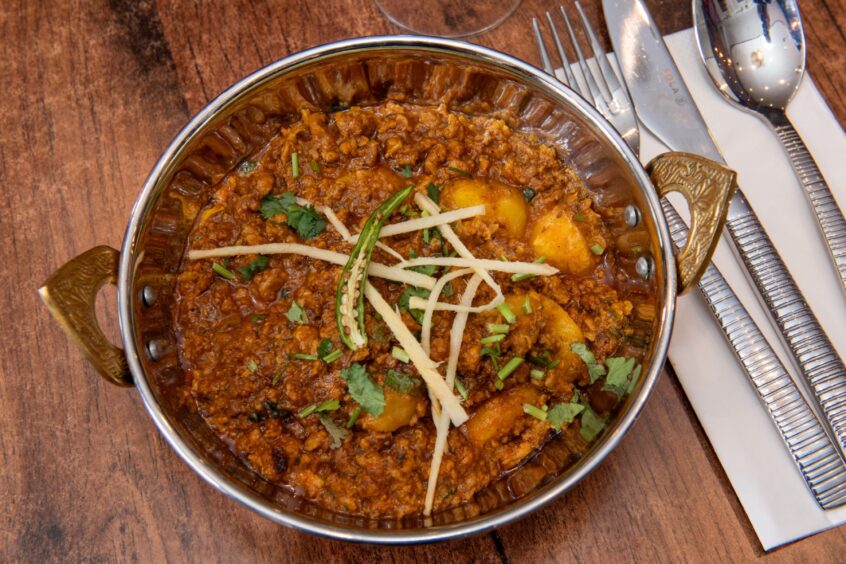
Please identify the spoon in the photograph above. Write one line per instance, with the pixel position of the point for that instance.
(754, 51)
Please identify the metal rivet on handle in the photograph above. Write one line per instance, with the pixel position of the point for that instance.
(644, 267)
(631, 215)
(149, 295)
(154, 349)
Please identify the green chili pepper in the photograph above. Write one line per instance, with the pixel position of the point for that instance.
(349, 297)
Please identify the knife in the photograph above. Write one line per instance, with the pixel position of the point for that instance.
(666, 108)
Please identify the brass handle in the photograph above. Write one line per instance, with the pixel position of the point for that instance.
(70, 294)
(708, 188)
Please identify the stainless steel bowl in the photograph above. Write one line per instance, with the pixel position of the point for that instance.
(241, 119)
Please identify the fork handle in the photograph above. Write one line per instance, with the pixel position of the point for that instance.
(828, 214)
(811, 449)
(816, 358)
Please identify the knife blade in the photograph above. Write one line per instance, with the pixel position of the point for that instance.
(665, 106)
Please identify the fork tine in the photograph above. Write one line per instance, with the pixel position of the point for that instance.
(544, 54)
(607, 76)
(596, 94)
(565, 62)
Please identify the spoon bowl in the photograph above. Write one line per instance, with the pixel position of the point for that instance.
(754, 51)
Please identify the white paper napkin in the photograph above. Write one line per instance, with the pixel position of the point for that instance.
(746, 441)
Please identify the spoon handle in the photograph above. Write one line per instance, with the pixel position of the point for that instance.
(829, 216)
(812, 450)
(815, 356)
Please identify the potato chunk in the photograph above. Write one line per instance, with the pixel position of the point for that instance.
(556, 237)
(496, 417)
(504, 204)
(400, 410)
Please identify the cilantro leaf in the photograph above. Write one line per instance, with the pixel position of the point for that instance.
(400, 382)
(619, 369)
(271, 205)
(369, 395)
(591, 425)
(561, 413)
(335, 431)
(428, 269)
(324, 348)
(594, 370)
(529, 193)
(297, 314)
(305, 220)
(260, 263)
(406, 172)
(433, 192)
(406, 296)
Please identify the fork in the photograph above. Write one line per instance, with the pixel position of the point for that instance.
(811, 448)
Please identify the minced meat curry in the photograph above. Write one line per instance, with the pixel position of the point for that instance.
(550, 349)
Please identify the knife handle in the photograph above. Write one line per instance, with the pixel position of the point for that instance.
(811, 448)
(828, 214)
(817, 360)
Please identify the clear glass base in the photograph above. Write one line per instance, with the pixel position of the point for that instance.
(447, 18)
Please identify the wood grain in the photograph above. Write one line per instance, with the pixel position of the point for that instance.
(93, 91)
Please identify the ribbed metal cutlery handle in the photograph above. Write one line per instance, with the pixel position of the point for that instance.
(816, 358)
(812, 450)
(828, 214)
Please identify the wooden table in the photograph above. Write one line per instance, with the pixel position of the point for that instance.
(92, 93)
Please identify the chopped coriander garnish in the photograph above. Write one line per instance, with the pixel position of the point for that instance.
(595, 370)
(537, 374)
(498, 328)
(400, 354)
(521, 277)
(246, 167)
(499, 384)
(314, 166)
(509, 367)
(579, 217)
(324, 347)
(619, 369)
(506, 312)
(592, 424)
(404, 298)
(332, 356)
(295, 165)
(369, 395)
(305, 220)
(353, 417)
(297, 314)
(447, 291)
(563, 413)
(459, 385)
(400, 382)
(255, 417)
(406, 172)
(406, 211)
(529, 194)
(303, 356)
(257, 265)
(458, 171)
(633, 380)
(434, 193)
(426, 235)
(252, 366)
(535, 412)
(335, 431)
(257, 318)
(428, 269)
(328, 405)
(492, 339)
(597, 249)
(223, 272)
(527, 305)
(307, 410)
